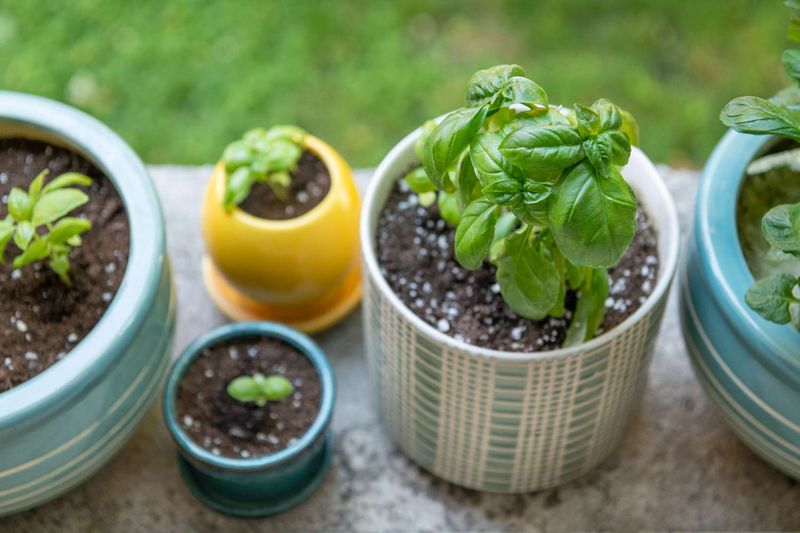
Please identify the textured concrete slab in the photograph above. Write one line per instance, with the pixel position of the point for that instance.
(679, 467)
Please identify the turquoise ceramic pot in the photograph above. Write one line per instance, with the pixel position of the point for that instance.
(61, 426)
(258, 486)
(749, 367)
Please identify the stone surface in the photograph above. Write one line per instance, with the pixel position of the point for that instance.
(679, 467)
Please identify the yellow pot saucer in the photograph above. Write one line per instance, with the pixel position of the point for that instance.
(309, 318)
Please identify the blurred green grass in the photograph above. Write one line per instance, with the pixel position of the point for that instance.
(180, 79)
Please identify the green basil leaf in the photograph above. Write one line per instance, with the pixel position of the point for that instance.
(781, 228)
(528, 279)
(35, 251)
(59, 263)
(289, 133)
(68, 179)
(238, 187)
(35, 188)
(588, 121)
(534, 118)
(490, 165)
(506, 224)
(449, 209)
(6, 232)
(475, 233)
(544, 148)
(485, 83)
(237, 154)
(610, 116)
(772, 297)
(519, 90)
(55, 204)
(419, 144)
(418, 180)
(598, 151)
(20, 206)
(450, 138)
(23, 234)
(466, 182)
(244, 389)
(590, 310)
(559, 308)
(630, 127)
(276, 388)
(279, 155)
(791, 63)
(67, 228)
(593, 220)
(750, 114)
(787, 97)
(574, 275)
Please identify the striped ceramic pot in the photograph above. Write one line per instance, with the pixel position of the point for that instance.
(503, 421)
(749, 367)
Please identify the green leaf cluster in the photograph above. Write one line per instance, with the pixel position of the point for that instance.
(38, 225)
(262, 156)
(536, 189)
(775, 297)
(260, 389)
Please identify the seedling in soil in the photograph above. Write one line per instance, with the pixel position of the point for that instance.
(38, 224)
(262, 156)
(535, 189)
(260, 389)
(776, 297)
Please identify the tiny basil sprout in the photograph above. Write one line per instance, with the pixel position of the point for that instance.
(260, 389)
(262, 156)
(38, 224)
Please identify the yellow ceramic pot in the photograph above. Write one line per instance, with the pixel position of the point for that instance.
(303, 271)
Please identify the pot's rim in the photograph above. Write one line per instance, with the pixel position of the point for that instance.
(720, 252)
(44, 119)
(291, 336)
(339, 173)
(641, 168)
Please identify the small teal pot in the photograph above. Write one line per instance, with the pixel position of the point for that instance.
(59, 427)
(258, 486)
(749, 366)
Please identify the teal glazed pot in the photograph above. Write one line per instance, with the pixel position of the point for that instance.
(749, 367)
(61, 426)
(264, 485)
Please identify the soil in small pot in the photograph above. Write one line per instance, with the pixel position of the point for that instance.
(311, 182)
(415, 253)
(41, 318)
(224, 426)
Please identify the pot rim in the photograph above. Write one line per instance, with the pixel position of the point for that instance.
(291, 336)
(667, 267)
(88, 362)
(721, 254)
(336, 170)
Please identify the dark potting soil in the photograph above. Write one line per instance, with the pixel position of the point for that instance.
(227, 427)
(41, 318)
(310, 184)
(415, 252)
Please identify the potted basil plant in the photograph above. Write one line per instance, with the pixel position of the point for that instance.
(518, 258)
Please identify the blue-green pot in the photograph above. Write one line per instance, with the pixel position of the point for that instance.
(257, 486)
(59, 427)
(749, 366)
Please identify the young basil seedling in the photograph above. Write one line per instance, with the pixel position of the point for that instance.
(260, 389)
(777, 297)
(38, 224)
(262, 156)
(536, 189)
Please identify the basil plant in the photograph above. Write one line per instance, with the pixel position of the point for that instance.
(536, 190)
(262, 156)
(776, 297)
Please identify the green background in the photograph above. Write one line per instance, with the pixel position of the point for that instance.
(180, 79)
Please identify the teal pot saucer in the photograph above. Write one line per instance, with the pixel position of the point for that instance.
(62, 425)
(749, 367)
(257, 486)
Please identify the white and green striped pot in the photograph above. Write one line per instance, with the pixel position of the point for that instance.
(507, 421)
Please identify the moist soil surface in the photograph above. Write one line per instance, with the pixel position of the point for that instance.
(41, 318)
(224, 426)
(310, 184)
(415, 252)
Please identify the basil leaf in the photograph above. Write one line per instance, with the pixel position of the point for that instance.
(289, 133)
(593, 220)
(419, 144)
(238, 187)
(244, 389)
(609, 114)
(35, 188)
(519, 90)
(772, 297)
(528, 279)
(750, 114)
(56, 204)
(23, 234)
(418, 180)
(67, 228)
(490, 165)
(630, 127)
(20, 206)
(6, 232)
(574, 275)
(466, 182)
(449, 139)
(237, 154)
(506, 225)
(448, 208)
(551, 117)
(791, 63)
(475, 233)
(544, 148)
(559, 308)
(59, 263)
(276, 388)
(68, 179)
(781, 228)
(35, 251)
(484, 84)
(590, 310)
(606, 149)
(588, 121)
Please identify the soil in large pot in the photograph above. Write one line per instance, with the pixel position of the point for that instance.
(227, 427)
(310, 183)
(415, 253)
(41, 318)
